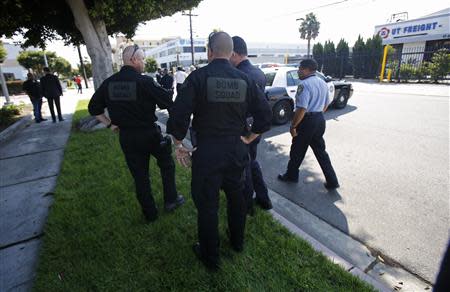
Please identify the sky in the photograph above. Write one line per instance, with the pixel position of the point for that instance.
(275, 21)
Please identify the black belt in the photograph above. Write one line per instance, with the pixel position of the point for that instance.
(312, 113)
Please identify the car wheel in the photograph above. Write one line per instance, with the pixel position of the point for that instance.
(341, 100)
(282, 112)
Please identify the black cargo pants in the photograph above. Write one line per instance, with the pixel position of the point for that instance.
(137, 146)
(218, 163)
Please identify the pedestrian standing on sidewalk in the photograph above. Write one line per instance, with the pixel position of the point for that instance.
(308, 125)
(219, 97)
(180, 76)
(78, 82)
(167, 81)
(131, 100)
(52, 90)
(33, 89)
(254, 180)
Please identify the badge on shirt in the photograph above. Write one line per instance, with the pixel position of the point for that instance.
(226, 89)
(122, 90)
(300, 89)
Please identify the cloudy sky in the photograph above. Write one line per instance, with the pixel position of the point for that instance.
(275, 21)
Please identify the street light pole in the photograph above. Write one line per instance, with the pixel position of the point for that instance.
(45, 60)
(4, 87)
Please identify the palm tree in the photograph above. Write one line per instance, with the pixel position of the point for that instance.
(309, 28)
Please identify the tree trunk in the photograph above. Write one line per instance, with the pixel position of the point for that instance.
(96, 38)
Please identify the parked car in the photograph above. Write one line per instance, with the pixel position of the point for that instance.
(281, 88)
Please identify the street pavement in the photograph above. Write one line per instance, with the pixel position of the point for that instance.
(30, 161)
(390, 150)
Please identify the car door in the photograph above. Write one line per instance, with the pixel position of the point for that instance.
(292, 82)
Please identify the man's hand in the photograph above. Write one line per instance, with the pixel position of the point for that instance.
(250, 138)
(114, 128)
(183, 154)
(293, 132)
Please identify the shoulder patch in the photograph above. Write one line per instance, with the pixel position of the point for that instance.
(226, 89)
(300, 88)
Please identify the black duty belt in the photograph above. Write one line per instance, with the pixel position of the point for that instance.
(312, 113)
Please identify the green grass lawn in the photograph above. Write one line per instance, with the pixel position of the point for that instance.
(96, 239)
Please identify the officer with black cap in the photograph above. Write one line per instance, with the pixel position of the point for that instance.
(308, 125)
(219, 97)
(131, 100)
(254, 180)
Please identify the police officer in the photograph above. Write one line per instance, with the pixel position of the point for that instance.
(131, 99)
(254, 181)
(308, 125)
(219, 96)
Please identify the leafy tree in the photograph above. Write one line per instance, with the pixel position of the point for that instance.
(317, 52)
(376, 56)
(329, 62)
(2, 52)
(309, 28)
(150, 65)
(358, 57)
(342, 56)
(440, 64)
(34, 60)
(86, 22)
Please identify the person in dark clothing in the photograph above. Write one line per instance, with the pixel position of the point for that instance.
(52, 90)
(167, 81)
(308, 125)
(442, 283)
(33, 89)
(219, 97)
(159, 75)
(254, 180)
(131, 99)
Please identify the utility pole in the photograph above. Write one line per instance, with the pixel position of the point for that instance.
(190, 28)
(82, 67)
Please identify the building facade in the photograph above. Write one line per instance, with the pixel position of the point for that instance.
(418, 38)
(10, 67)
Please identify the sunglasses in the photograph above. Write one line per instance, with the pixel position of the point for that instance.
(209, 39)
(136, 48)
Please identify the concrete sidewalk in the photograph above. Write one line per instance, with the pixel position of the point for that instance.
(30, 162)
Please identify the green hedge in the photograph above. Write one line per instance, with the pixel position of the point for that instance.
(8, 112)
(14, 87)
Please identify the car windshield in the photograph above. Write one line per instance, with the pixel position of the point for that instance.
(270, 76)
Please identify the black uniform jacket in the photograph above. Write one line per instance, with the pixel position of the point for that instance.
(219, 96)
(50, 86)
(131, 99)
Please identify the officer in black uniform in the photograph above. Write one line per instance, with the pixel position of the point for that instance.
(308, 125)
(131, 99)
(219, 96)
(254, 180)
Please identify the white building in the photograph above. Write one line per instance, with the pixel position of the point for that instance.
(177, 52)
(10, 67)
(415, 37)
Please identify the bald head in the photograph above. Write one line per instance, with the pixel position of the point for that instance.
(220, 45)
(133, 56)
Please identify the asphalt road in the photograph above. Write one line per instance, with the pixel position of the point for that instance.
(390, 150)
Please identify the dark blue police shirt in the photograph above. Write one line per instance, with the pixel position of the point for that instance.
(254, 73)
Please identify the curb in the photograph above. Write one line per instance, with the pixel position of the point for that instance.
(14, 128)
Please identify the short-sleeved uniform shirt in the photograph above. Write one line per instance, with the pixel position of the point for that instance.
(312, 94)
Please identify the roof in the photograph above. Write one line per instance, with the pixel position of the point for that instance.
(440, 12)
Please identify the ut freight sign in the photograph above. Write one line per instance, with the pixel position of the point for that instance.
(424, 29)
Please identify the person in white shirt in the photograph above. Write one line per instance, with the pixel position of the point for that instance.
(180, 76)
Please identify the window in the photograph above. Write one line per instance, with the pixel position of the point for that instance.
(269, 78)
(292, 78)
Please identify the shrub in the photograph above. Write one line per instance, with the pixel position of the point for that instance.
(406, 72)
(440, 66)
(8, 112)
(422, 71)
(14, 87)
